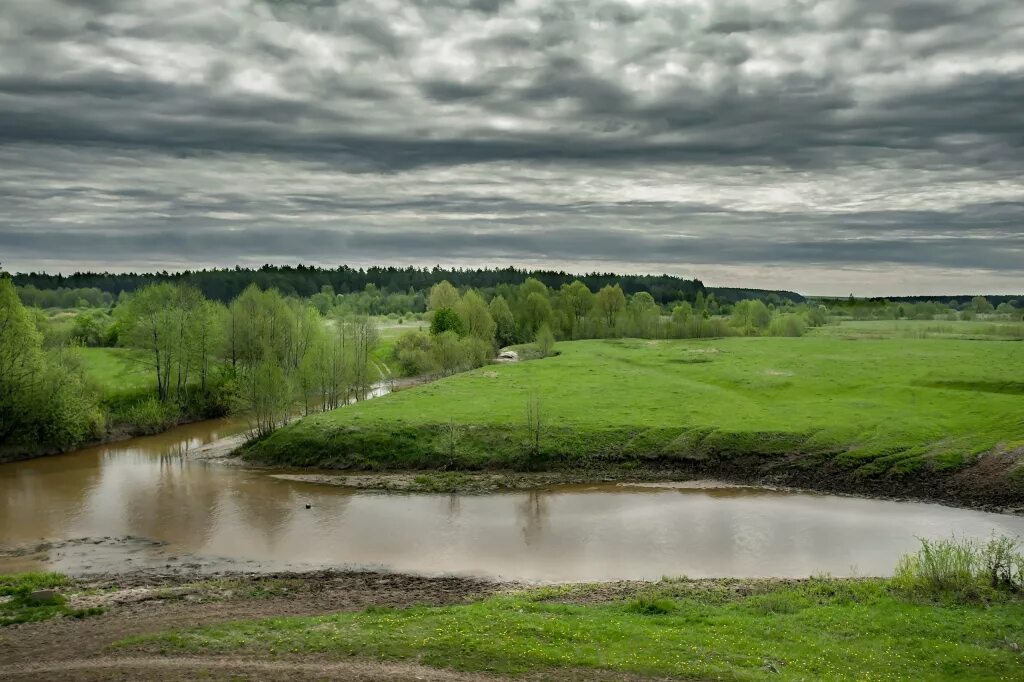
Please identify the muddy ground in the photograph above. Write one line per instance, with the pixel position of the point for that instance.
(138, 603)
(69, 649)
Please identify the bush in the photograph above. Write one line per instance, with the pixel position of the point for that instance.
(412, 353)
(787, 325)
(544, 341)
(445, 320)
(816, 316)
(151, 415)
(963, 569)
(1002, 564)
(477, 351)
(714, 327)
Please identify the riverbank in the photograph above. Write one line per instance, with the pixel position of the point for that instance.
(929, 419)
(377, 626)
(220, 450)
(138, 603)
(120, 433)
(926, 490)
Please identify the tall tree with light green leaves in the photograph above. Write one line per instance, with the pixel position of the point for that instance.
(610, 301)
(504, 321)
(476, 317)
(442, 295)
(579, 300)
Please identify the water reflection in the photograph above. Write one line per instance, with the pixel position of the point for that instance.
(228, 517)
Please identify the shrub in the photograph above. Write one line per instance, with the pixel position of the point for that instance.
(412, 352)
(544, 341)
(714, 328)
(1001, 563)
(151, 415)
(445, 320)
(940, 565)
(787, 325)
(963, 569)
(816, 316)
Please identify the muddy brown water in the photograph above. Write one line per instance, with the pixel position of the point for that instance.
(145, 504)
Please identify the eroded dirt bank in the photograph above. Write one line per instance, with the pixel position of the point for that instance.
(989, 484)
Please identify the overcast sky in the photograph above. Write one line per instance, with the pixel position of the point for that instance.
(866, 146)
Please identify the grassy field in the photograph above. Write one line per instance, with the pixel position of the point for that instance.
(997, 330)
(818, 629)
(867, 407)
(118, 373)
(389, 331)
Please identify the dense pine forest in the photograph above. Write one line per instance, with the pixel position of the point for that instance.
(301, 280)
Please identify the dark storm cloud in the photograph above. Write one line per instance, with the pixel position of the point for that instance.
(860, 133)
(557, 244)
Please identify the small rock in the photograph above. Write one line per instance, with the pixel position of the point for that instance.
(43, 596)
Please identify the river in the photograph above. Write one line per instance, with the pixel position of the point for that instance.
(146, 504)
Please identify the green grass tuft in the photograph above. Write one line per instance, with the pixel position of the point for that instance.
(651, 606)
(17, 605)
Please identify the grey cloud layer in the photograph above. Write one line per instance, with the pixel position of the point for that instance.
(855, 133)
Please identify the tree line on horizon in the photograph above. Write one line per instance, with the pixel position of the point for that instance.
(224, 284)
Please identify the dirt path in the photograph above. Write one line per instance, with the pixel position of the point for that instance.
(72, 649)
(190, 668)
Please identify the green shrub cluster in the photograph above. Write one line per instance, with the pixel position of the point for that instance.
(962, 569)
(44, 400)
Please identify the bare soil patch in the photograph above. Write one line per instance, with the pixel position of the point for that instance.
(139, 603)
(70, 650)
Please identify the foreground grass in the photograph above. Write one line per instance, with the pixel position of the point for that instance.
(817, 629)
(871, 407)
(17, 605)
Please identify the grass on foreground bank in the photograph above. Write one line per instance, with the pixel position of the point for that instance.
(17, 604)
(932, 622)
(872, 406)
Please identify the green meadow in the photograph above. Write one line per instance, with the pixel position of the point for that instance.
(119, 374)
(865, 406)
(924, 329)
(819, 629)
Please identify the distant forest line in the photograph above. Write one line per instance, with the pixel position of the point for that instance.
(952, 300)
(224, 284)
